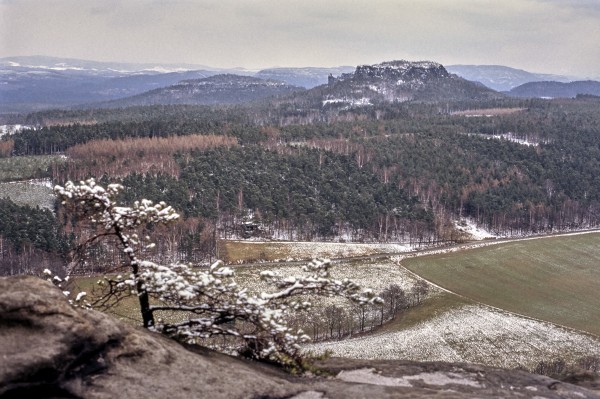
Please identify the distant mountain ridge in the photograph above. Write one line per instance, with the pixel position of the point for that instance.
(101, 67)
(34, 83)
(39, 82)
(502, 78)
(217, 89)
(393, 81)
(556, 89)
(60, 89)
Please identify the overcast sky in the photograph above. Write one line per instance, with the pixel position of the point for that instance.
(552, 36)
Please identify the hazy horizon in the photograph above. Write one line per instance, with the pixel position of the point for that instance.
(174, 64)
(542, 36)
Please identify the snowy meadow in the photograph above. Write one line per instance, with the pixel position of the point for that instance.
(471, 333)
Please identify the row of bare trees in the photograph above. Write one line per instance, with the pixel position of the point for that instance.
(27, 260)
(119, 158)
(148, 146)
(191, 240)
(571, 371)
(334, 322)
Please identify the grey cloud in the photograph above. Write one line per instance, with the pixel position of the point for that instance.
(544, 35)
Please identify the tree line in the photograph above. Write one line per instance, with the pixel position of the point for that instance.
(390, 172)
(30, 240)
(334, 322)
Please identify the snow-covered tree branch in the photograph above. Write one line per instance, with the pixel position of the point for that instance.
(190, 303)
(98, 204)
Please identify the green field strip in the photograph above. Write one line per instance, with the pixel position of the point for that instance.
(556, 279)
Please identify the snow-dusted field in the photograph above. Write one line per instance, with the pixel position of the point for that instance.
(292, 251)
(471, 333)
(32, 192)
(376, 274)
(302, 250)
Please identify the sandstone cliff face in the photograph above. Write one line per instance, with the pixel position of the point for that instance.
(50, 349)
(400, 72)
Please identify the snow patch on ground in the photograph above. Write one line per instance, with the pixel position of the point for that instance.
(439, 378)
(354, 102)
(165, 70)
(30, 192)
(12, 129)
(343, 250)
(34, 182)
(510, 137)
(470, 227)
(474, 334)
(513, 138)
(370, 376)
(38, 182)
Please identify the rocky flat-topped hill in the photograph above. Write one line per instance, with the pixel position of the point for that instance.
(399, 72)
(51, 349)
(398, 81)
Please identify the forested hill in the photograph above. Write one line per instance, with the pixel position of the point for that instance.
(218, 89)
(299, 193)
(556, 89)
(530, 166)
(30, 83)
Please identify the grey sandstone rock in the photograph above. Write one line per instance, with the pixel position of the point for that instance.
(50, 349)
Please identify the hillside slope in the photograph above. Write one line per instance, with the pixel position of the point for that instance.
(217, 89)
(556, 89)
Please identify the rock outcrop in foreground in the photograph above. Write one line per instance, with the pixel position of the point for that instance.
(50, 349)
